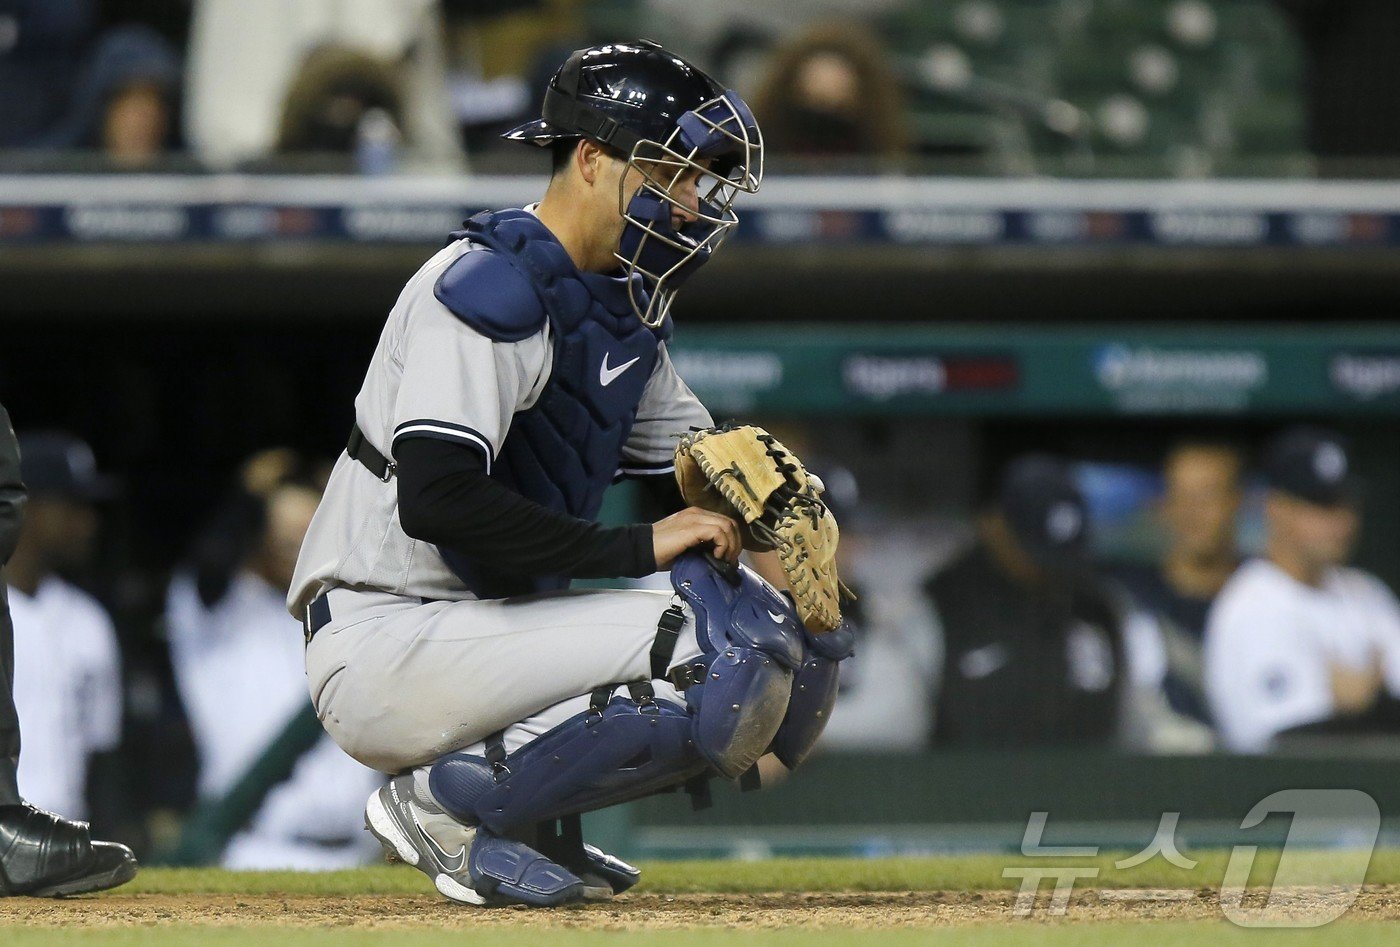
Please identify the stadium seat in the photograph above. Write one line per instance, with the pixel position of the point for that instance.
(1180, 84)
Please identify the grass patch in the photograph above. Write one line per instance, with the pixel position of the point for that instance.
(938, 873)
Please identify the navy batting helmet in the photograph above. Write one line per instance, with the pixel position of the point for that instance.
(670, 121)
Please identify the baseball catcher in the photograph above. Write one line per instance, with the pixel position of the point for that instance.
(524, 368)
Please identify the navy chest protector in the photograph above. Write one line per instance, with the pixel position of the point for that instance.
(563, 451)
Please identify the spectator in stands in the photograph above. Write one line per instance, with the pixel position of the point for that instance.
(502, 53)
(238, 664)
(1200, 500)
(830, 93)
(245, 55)
(68, 687)
(1296, 639)
(334, 103)
(42, 43)
(126, 105)
(1032, 641)
(729, 37)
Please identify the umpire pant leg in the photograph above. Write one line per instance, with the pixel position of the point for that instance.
(9, 719)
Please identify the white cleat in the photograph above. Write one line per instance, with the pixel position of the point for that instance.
(431, 841)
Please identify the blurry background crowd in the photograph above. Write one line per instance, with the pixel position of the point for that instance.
(1191, 576)
(1183, 88)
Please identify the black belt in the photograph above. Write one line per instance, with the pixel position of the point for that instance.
(318, 616)
(366, 453)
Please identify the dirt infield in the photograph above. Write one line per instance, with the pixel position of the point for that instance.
(644, 912)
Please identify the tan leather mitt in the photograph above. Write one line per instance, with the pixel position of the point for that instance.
(744, 472)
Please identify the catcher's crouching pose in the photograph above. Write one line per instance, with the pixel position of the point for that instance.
(523, 367)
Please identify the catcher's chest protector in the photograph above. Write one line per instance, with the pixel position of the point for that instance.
(564, 451)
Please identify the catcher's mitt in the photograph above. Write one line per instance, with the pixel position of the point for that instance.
(744, 472)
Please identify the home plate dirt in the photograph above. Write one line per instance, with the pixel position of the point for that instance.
(648, 912)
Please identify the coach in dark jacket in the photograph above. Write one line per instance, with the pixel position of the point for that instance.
(41, 854)
(1033, 642)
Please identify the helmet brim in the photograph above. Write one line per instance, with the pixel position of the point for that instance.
(538, 132)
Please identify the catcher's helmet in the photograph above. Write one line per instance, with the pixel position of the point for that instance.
(669, 120)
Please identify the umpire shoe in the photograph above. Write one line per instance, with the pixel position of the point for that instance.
(46, 856)
(467, 864)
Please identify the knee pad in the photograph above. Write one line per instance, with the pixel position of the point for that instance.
(617, 751)
(813, 695)
(753, 644)
(739, 708)
(738, 608)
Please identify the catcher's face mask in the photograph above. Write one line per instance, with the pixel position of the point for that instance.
(720, 147)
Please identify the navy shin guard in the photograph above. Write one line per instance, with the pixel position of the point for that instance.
(736, 694)
(624, 751)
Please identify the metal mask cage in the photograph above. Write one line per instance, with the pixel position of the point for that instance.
(720, 144)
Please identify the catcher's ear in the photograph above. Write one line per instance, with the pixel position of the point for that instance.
(589, 158)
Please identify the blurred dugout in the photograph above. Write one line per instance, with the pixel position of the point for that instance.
(237, 656)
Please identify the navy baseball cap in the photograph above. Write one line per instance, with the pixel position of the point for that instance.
(1313, 465)
(1044, 508)
(56, 464)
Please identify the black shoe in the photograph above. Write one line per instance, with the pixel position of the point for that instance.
(46, 856)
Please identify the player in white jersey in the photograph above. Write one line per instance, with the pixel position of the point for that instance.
(522, 369)
(67, 663)
(1297, 638)
(67, 691)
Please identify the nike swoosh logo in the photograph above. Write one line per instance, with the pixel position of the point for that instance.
(606, 375)
(449, 863)
(777, 619)
(984, 661)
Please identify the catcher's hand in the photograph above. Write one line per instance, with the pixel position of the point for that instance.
(744, 472)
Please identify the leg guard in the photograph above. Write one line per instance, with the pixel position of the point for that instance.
(752, 642)
(813, 694)
(619, 750)
(626, 748)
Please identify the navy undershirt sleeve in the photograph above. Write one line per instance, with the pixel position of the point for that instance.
(447, 499)
(661, 494)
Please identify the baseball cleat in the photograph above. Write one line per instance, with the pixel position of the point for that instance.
(467, 864)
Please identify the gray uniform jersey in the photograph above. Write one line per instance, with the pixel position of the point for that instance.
(434, 376)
